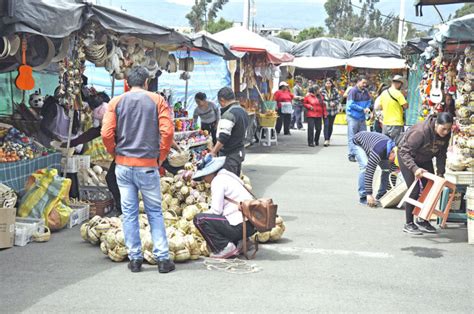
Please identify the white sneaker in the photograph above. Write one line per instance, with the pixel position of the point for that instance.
(229, 251)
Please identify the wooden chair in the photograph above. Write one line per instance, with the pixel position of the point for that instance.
(425, 205)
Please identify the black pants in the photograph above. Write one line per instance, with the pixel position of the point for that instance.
(328, 127)
(409, 178)
(212, 129)
(111, 180)
(233, 162)
(314, 130)
(217, 231)
(284, 119)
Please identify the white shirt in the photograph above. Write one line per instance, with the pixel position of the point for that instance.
(227, 184)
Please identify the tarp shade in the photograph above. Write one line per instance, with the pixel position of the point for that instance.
(60, 18)
(377, 47)
(323, 47)
(461, 29)
(316, 62)
(285, 45)
(376, 63)
(416, 46)
(208, 44)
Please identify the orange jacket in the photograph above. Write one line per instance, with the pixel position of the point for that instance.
(166, 130)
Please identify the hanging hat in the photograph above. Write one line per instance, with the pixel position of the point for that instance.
(452, 90)
(208, 165)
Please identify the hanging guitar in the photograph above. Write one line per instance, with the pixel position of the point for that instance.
(436, 93)
(24, 80)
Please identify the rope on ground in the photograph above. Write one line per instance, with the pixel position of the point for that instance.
(233, 266)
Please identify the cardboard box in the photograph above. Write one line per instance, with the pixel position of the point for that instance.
(7, 227)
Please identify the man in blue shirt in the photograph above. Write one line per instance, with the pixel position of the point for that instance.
(357, 107)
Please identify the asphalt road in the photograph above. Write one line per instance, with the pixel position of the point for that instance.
(336, 256)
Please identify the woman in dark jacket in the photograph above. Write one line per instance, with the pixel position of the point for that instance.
(314, 102)
(332, 101)
(420, 144)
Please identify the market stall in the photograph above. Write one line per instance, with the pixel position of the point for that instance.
(254, 74)
(446, 86)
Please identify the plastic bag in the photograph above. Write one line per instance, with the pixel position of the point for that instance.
(47, 197)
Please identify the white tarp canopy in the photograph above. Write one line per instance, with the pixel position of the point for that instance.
(356, 62)
(239, 38)
(316, 62)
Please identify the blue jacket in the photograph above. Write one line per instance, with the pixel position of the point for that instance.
(357, 101)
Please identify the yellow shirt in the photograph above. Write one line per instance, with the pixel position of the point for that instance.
(392, 110)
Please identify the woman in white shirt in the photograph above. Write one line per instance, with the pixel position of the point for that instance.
(221, 226)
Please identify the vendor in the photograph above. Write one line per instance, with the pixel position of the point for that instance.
(231, 131)
(222, 225)
(373, 149)
(421, 143)
(55, 121)
(284, 99)
(209, 114)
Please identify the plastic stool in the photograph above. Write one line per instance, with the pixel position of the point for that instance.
(269, 139)
(425, 206)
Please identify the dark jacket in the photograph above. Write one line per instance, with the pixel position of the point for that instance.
(421, 143)
(232, 127)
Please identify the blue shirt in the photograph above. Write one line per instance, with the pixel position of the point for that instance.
(357, 101)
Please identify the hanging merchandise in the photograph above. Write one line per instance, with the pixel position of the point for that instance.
(16, 146)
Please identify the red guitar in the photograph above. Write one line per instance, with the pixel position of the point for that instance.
(24, 80)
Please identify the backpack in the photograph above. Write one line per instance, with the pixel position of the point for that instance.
(261, 213)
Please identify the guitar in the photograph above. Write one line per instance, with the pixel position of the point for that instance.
(436, 94)
(24, 80)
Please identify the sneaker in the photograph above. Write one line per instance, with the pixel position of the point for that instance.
(411, 228)
(352, 158)
(316, 143)
(425, 226)
(363, 201)
(135, 265)
(229, 251)
(165, 266)
(311, 145)
(326, 143)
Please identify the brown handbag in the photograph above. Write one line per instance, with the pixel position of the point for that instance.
(261, 213)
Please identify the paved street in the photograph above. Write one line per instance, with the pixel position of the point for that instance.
(335, 256)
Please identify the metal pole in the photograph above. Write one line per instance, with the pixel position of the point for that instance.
(401, 22)
(113, 86)
(245, 20)
(69, 134)
(187, 81)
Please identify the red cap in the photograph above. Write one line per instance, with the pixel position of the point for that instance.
(452, 90)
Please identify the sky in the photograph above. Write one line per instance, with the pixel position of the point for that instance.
(271, 13)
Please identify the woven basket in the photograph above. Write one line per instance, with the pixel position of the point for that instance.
(267, 121)
(100, 200)
(179, 159)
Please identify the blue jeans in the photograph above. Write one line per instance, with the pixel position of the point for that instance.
(362, 159)
(354, 126)
(131, 180)
(296, 117)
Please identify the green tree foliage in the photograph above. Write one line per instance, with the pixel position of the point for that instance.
(310, 33)
(200, 16)
(285, 35)
(468, 8)
(220, 25)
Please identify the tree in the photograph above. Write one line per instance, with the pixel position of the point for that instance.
(220, 25)
(468, 8)
(285, 35)
(310, 33)
(200, 17)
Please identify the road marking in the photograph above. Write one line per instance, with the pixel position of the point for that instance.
(286, 249)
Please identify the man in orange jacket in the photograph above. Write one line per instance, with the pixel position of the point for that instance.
(138, 131)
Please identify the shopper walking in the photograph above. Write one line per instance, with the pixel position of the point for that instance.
(357, 107)
(209, 113)
(314, 102)
(283, 97)
(332, 101)
(393, 103)
(231, 131)
(296, 117)
(421, 143)
(222, 225)
(372, 150)
(138, 131)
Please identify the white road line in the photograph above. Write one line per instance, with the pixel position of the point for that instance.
(286, 249)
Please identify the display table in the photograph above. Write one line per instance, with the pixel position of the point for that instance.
(15, 174)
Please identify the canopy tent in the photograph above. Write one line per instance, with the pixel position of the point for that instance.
(60, 18)
(373, 62)
(285, 45)
(457, 30)
(323, 47)
(377, 47)
(241, 39)
(416, 45)
(316, 62)
(420, 3)
(208, 44)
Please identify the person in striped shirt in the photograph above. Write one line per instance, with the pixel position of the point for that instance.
(372, 150)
